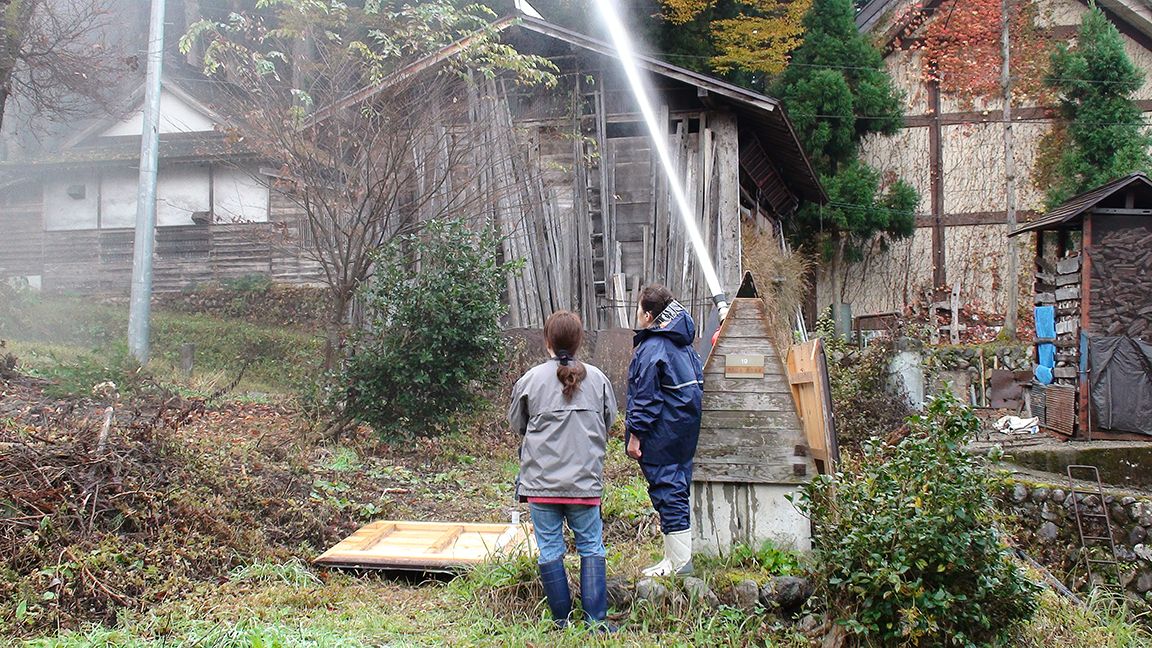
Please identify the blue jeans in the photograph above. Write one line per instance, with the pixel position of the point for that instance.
(548, 526)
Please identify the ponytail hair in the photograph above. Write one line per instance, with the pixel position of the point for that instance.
(563, 332)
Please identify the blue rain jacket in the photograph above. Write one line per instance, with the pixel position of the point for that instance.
(665, 389)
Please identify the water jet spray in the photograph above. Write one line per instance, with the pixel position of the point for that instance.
(657, 130)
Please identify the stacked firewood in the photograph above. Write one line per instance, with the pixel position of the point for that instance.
(1122, 284)
(1058, 284)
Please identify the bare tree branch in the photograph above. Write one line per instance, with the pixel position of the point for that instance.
(378, 168)
(55, 59)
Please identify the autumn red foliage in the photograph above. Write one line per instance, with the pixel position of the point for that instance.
(961, 46)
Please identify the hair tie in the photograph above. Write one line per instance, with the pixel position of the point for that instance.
(564, 357)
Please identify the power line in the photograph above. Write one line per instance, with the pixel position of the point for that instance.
(866, 67)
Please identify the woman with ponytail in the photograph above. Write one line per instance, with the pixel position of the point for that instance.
(563, 409)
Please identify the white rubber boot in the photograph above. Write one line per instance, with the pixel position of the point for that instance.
(677, 555)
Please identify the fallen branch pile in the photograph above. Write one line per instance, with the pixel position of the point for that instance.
(95, 518)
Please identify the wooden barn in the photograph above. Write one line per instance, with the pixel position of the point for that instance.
(592, 216)
(760, 436)
(1094, 272)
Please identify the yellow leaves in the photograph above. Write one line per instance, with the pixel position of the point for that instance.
(679, 12)
(757, 40)
(760, 43)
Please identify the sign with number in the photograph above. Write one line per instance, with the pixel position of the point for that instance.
(750, 365)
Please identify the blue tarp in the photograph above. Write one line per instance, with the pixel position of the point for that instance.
(1046, 351)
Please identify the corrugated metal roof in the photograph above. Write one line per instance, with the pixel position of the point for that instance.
(1075, 207)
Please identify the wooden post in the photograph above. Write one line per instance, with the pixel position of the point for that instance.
(187, 358)
(1013, 307)
(936, 177)
(1085, 322)
(954, 306)
(728, 219)
(620, 291)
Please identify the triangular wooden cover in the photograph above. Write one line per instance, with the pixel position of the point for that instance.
(749, 432)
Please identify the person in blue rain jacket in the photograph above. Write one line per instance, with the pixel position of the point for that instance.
(665, 390)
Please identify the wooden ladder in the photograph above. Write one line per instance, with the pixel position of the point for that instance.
(1089, 561)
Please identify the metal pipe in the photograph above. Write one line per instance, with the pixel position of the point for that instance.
(721, 301)
(139, 312)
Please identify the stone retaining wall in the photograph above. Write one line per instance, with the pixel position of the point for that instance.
(1048, 531)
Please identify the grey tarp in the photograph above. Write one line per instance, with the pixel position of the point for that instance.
(1121, 380)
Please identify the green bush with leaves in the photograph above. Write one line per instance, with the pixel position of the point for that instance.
(906, 544)
(865, 402)
(433, 335)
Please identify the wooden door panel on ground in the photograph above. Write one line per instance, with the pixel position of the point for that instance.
(430, 546)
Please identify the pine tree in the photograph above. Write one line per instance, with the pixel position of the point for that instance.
(837, 93)
(1095, 81)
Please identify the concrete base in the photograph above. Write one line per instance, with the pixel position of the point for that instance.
(724, 514)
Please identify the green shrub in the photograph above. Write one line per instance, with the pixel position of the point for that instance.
(906, 543)
(763, 562)
(78, 376)
(862, 398)
(249, 283)
(433, 337)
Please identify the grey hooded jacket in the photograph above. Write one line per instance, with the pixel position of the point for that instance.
(562, 453)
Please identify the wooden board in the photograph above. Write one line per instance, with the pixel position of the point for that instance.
(808, 376)
(427, 546)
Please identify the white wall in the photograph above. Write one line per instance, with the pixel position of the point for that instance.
(118, 198)
(239, 197)
(63, 212)
(176, 116)
(724, 514)
(180, 191)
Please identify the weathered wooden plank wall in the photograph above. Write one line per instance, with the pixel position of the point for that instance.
(186, 256)
(750, 430)
(580, 196)
(22, 240)
(1121, 286)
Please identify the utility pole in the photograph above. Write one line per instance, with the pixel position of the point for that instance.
(1013, 281)
(140, 308)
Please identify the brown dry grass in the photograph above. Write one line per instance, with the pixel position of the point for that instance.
(781, 280)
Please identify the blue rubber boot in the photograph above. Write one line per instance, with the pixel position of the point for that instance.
(555, 581)
(594, 592)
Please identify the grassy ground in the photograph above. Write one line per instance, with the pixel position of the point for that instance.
(289, 605)
(358, 611)
(218, 510)
(75, 343)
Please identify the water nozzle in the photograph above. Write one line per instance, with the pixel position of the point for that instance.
(721, 302)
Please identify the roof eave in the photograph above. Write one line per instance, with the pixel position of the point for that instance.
(1077, 205)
